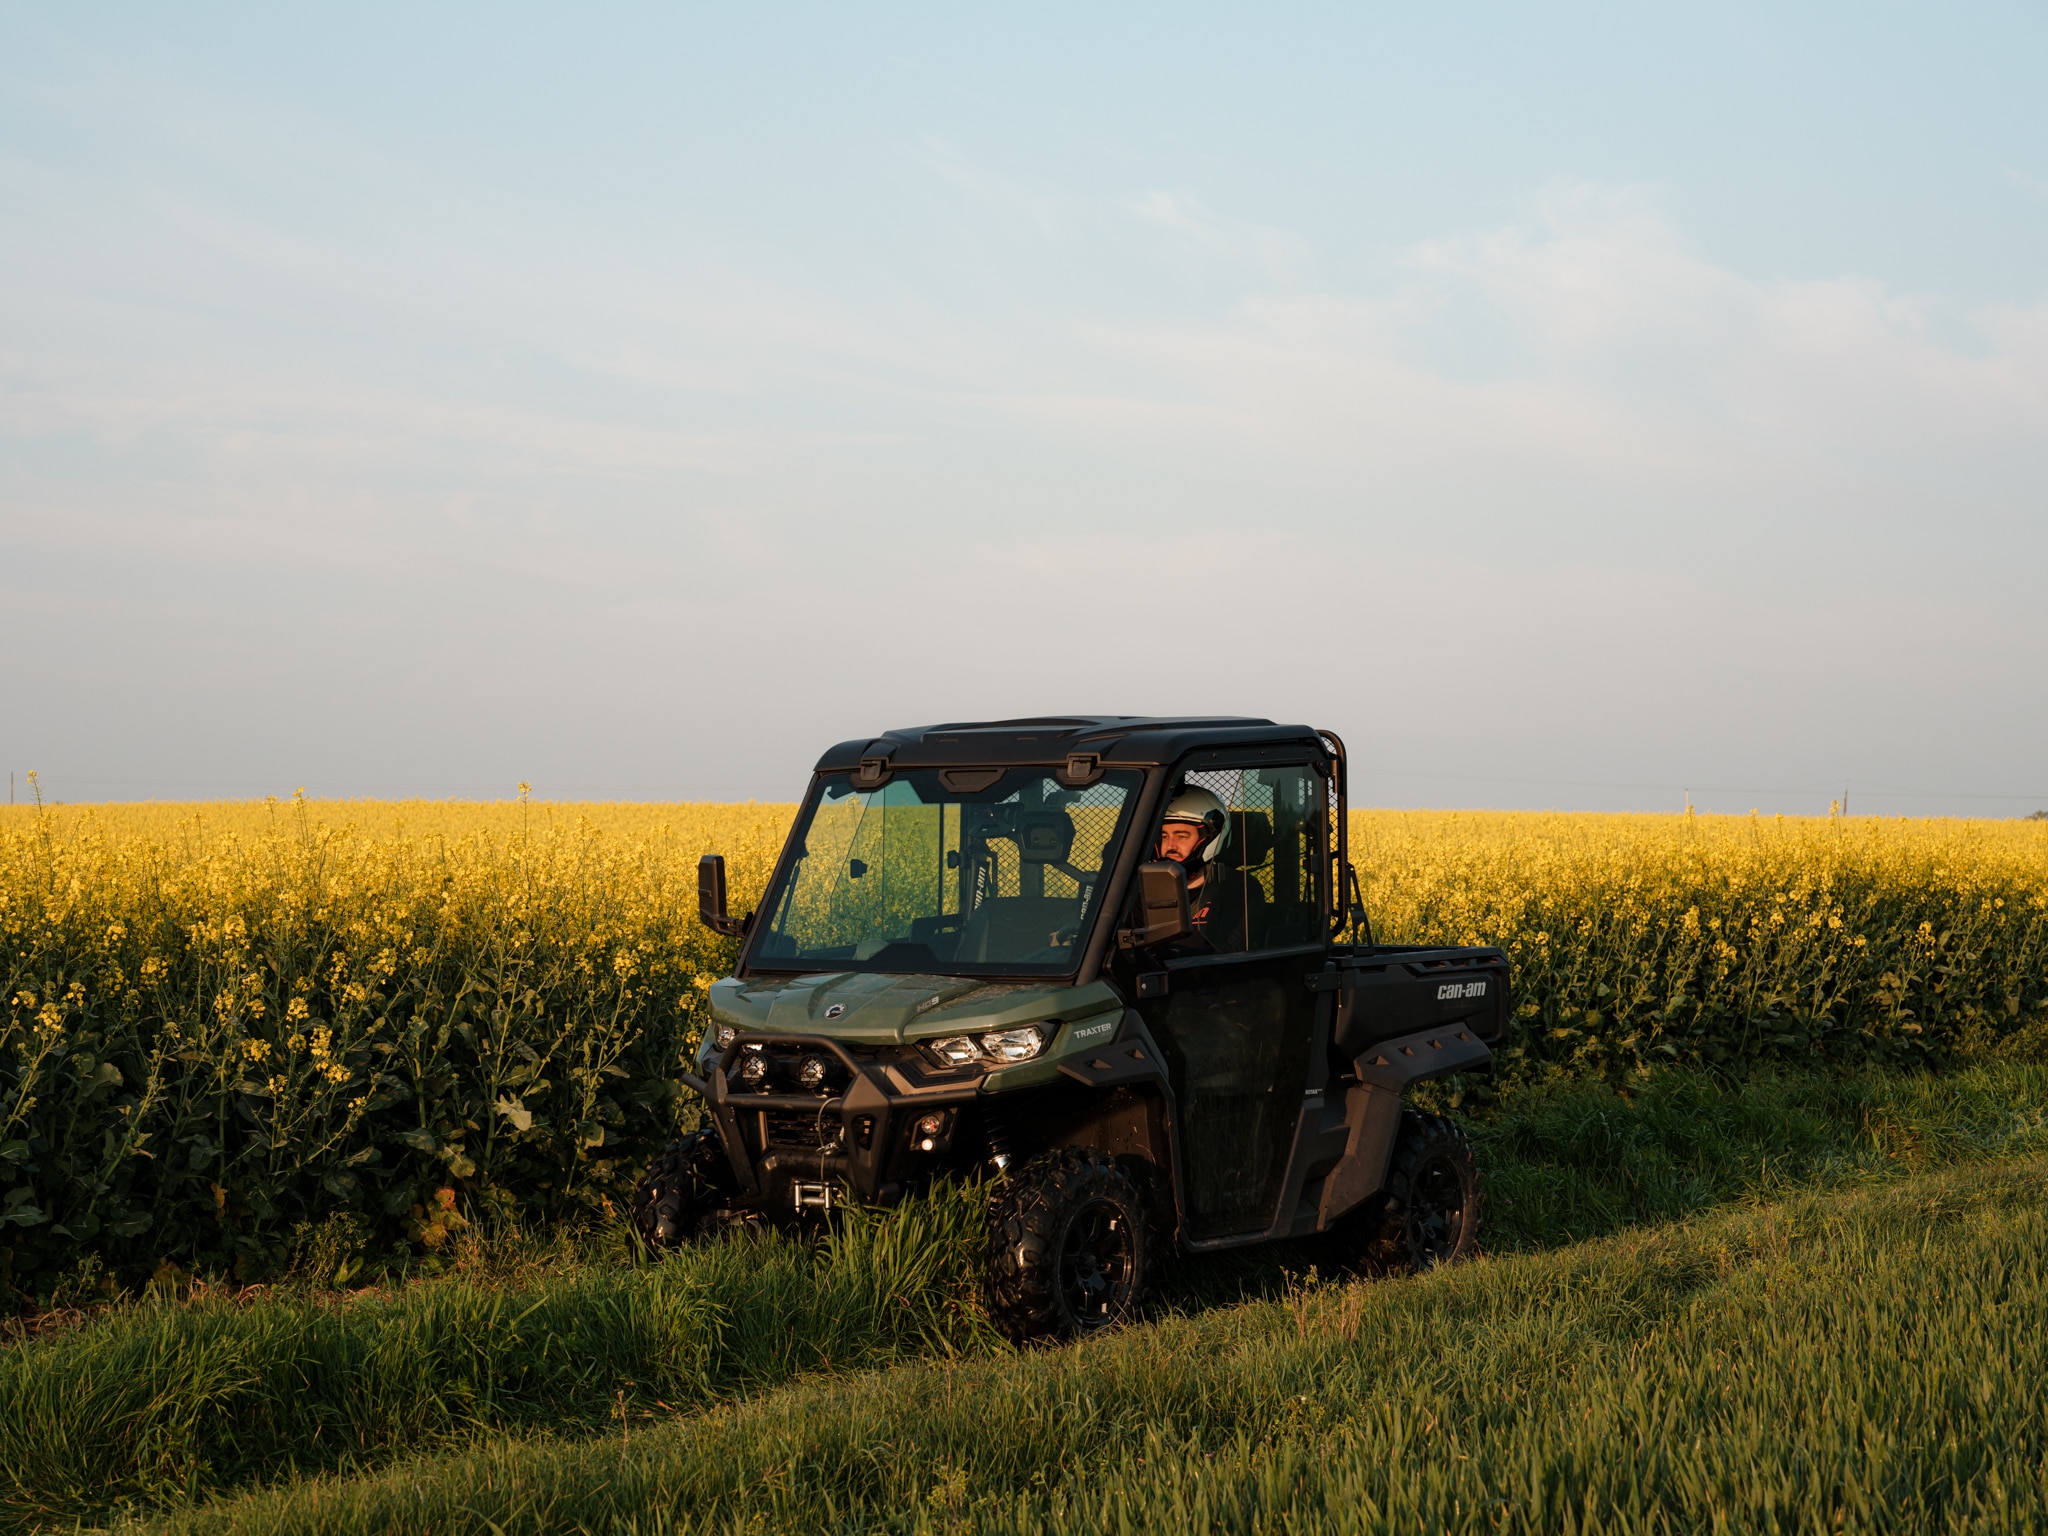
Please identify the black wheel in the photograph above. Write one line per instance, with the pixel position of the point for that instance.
(1066, 1247)
(686, 1181)
(1428, 1214)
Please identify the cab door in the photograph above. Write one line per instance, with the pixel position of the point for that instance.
(1236, 1018)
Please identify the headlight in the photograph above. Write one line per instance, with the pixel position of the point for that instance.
(1014, 1044)
(956, 1052)
(725, 1037)
(812, 1073)
(754, 1070)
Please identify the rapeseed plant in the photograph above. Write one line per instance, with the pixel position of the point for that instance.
(226, 1026)
(1723, 940)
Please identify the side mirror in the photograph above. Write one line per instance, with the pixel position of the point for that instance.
(711, 897)
(1162, 893)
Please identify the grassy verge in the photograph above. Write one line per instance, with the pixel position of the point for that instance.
(156, 1405)
(1871, 1360)
(1577, 1159)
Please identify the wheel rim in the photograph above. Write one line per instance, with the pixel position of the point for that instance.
(1436, 1212)
(1097, 1256)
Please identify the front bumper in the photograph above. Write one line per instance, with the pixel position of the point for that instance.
(795, 1153)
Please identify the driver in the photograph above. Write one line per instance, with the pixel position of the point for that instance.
(1193, 833)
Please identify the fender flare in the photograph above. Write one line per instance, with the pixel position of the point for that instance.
(1372, 1108)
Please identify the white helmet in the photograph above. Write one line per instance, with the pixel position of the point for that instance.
(1202, 808)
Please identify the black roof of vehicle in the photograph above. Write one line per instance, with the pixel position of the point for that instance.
(1120, 741)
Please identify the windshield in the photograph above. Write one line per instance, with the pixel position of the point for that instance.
(966, 871)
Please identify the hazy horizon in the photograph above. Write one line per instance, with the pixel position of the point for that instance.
(1571, 406)
(538, 802)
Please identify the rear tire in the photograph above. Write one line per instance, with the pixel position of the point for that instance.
(685, 1183)
(1067, 1249)
(1428, 1214)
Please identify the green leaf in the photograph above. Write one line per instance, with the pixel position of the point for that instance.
(520, 1116)
(421, 1140)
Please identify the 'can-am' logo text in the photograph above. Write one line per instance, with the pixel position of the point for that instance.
(1452, 991)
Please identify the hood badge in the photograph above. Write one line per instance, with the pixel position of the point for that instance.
(835, 1010)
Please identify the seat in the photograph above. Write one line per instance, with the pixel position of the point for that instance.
(1250, 850)
(1016, 928)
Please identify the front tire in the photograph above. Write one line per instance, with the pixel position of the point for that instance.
(1428, 1214)
(1067, 1251)
(686, 1181)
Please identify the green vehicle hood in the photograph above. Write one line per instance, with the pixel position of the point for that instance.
(896, 1010)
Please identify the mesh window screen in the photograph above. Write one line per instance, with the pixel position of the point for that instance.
(1259, 890)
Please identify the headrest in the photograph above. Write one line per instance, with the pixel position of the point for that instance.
(1044, 837)
(1251, 840)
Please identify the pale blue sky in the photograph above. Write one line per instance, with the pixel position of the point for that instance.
(1571, 405)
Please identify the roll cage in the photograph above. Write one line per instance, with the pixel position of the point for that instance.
(1078, 752)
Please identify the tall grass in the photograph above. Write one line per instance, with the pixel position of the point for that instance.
(158, 1403)
(1575, 1158)
(161, 1403)
(1870, 1361)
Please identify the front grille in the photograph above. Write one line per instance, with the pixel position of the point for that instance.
(795, 1128)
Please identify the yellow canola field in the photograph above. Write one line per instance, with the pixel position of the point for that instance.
(230, 1026)
(1636, 938)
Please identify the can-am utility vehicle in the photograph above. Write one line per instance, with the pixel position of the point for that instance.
(972, 960)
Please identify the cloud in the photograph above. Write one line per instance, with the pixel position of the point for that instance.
(2033, 186)
(1588, 354)
(1275, 257)
(1047, 213)
(1638, 494)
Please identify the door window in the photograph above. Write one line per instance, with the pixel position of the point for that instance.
(1260, 891)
